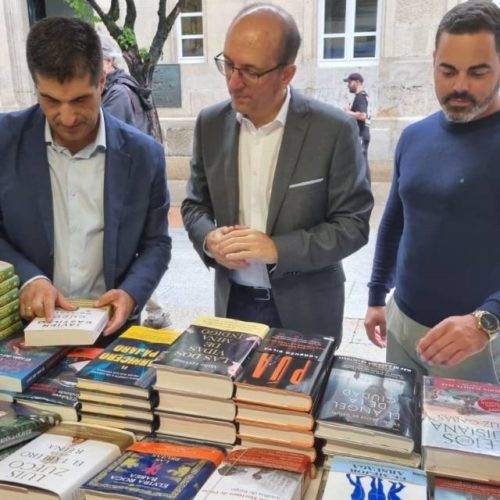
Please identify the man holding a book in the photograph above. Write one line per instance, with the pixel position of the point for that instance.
(279, 192)
(83, 197)
(439, 238)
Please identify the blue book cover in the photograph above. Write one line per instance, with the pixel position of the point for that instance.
(127, 362)
(153, 469)
(351, 478)
(21, 365)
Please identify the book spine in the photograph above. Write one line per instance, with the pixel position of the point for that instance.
(7, 332)
(10, 308)
(9, 296)
(9, 284)
(6, 272)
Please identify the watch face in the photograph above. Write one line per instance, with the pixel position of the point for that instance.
(489, 322)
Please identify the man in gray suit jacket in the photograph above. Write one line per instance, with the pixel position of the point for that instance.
(278, 193)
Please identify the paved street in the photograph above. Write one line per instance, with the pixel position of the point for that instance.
(187, 287)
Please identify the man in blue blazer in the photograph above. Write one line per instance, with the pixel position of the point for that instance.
(279, 192)
(83, 196)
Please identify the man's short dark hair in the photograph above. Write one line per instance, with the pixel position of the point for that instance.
(291, 36)
(473, 16)
(64, 48)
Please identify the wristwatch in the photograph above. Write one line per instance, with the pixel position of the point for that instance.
(488, 323)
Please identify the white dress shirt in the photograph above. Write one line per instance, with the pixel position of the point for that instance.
(258, 155)
(77, 183)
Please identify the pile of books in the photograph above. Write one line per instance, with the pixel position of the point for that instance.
(116, 387)
(370, 410)
(278, 392)
(195, 379)
(10, 321)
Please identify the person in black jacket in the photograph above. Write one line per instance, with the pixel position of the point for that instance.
(359, 109)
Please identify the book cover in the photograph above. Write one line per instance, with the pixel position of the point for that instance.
(80, 327)
(58, 385)
(21, 365)
(216, 346)
(19, 423)
(371, 395)
(352, 479)
(461, 415)
(157, 469)
(286, 362)
(6, 270)
(62, 459)
(259, 474)
(9, 296)
(9, 284)
(455, 489)
(127, 362)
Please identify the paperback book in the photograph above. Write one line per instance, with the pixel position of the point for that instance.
(56, 389)
(7, 297)
(80, 327)
(286, 371)
(9, 284)
(352, 479)
(455, 489)
(370, 399)
(59, 461)
(208, 356)
(461, 429)
(11, 307)
(21, 365)
(126, 366)
(20, 423)
(258, 474)
(152, 469)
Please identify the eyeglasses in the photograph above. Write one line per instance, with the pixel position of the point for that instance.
(249, 76)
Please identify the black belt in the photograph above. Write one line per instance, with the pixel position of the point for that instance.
(252, 292)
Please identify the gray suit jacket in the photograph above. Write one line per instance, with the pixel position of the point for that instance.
(318, 214)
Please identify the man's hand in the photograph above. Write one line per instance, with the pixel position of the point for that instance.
(376, 326)
(123, 305)
(212, 245)
(244, 243)
(451, 341)
(39, 298)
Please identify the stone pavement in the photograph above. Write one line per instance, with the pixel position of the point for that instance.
(187, 287)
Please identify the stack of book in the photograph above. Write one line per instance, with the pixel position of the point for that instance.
(278, 392)
(370, 410)
(461, 429)
(195, 379)
(56, 390)
(10, 321)
(116, 387)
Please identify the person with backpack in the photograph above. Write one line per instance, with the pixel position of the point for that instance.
(359, 109)
(125, 98)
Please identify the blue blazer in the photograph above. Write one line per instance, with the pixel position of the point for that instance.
(137, 247)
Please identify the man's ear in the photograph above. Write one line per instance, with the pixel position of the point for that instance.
(288, 73)
(102, 81)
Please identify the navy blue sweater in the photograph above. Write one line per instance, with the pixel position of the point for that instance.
(439, 238)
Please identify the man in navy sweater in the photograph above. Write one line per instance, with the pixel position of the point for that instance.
(439, 238)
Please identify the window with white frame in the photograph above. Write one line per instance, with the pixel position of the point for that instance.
(191, 31)
(350, 30)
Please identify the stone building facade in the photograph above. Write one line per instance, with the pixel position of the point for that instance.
(390, 42)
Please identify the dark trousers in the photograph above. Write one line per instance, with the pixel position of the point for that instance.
(253, 304)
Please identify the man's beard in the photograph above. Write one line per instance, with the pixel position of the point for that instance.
(463, 115)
